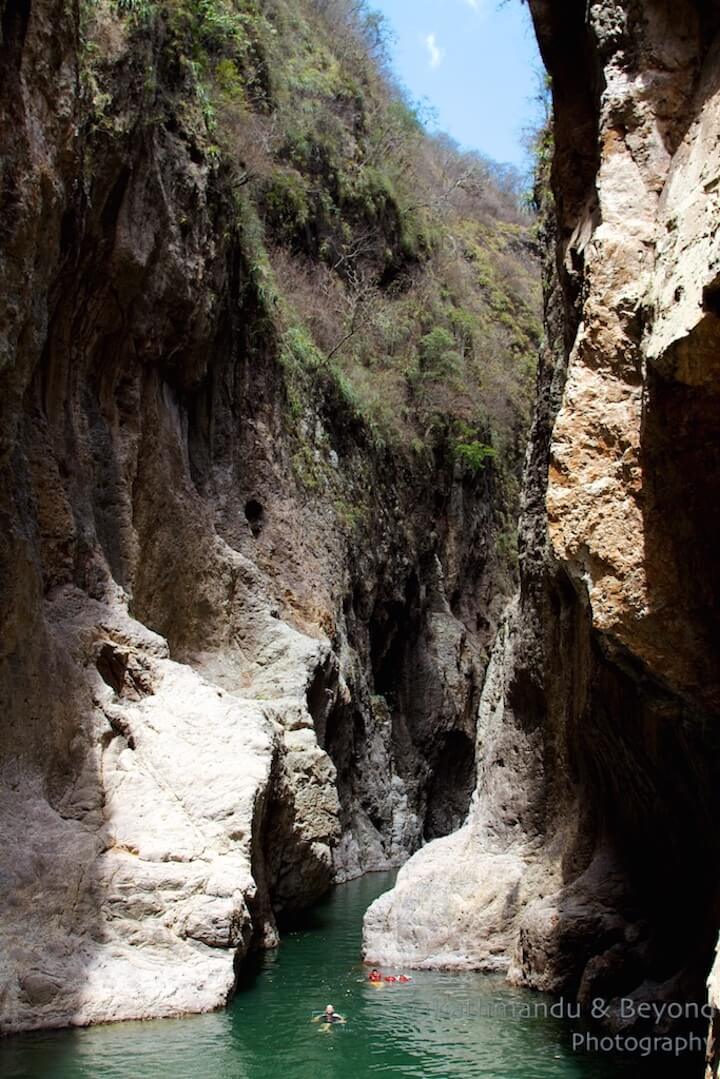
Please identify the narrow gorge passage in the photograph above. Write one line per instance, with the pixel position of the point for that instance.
(439, 1024)
(358, 510)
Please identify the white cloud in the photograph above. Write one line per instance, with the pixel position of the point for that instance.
(476, 5)
(436, 53)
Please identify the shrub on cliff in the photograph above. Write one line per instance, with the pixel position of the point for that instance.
(380, 256)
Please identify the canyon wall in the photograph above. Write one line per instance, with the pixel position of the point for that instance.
(242, 638)
(588, 862)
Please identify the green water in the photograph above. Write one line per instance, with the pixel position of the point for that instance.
(438, 1025)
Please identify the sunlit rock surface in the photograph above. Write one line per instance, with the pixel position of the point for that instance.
(133, 892)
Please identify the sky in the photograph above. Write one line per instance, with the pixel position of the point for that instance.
(476, 63)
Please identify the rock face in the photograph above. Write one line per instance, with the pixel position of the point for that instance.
(586, 864)
(136, 788)
(217, 692)
(129, 892)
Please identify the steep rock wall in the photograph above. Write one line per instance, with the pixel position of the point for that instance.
(228, 640)
(586, 864)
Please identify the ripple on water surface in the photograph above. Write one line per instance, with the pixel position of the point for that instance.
(438, 1025)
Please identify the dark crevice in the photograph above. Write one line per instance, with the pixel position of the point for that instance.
(112, 666)
(15, 20)
(451, 785)
(254, 514)
(711, 298)
(321, 695)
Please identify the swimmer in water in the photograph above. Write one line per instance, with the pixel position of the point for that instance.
(328, 1018)
(374, 976)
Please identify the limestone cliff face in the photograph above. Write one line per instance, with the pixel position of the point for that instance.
(218, 690)
(586, 864)
(135, 789)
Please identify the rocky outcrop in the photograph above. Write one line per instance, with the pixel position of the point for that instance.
(455, 903)
(586, 864)
(132, 887)
(237, 657)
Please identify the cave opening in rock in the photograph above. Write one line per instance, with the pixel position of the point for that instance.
(254, 514)
(112, 666)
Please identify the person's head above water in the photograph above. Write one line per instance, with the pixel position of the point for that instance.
(329, 1010)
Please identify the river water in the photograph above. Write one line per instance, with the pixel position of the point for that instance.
(445, 1025)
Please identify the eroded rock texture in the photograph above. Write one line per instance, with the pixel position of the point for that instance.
(216, 693)
(588, 861)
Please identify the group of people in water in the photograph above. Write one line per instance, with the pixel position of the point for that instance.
(375, 976)
(330, 1016)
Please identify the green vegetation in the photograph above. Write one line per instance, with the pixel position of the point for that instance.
(395, 273)
(540, 142)
(474, 454)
